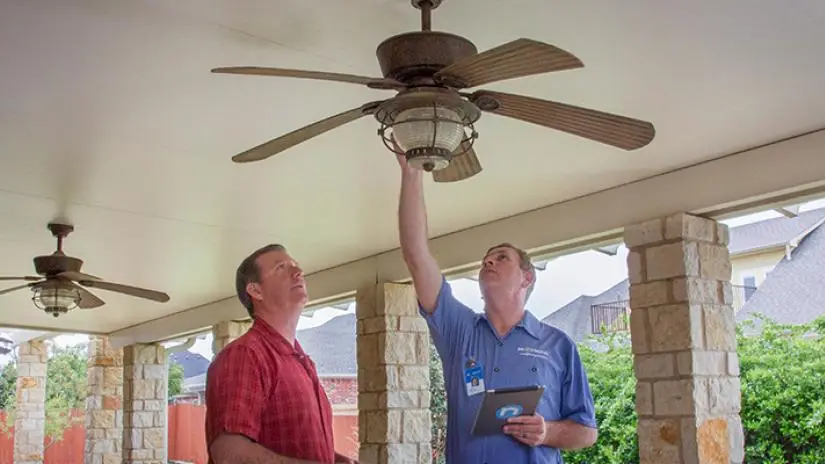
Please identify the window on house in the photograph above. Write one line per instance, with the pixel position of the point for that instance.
(749, 282)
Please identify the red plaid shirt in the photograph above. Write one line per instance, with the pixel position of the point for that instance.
(261, 387)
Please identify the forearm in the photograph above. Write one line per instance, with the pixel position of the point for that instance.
(569, 435)
(412, 230)
(236, 449)
(412, 217)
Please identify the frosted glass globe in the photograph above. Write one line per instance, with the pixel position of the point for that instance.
(448, 130)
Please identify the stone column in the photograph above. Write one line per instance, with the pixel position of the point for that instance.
(684, 342)
(30, 408)
(393, 376)
(104, 403)
(144, 394)
(223, 333)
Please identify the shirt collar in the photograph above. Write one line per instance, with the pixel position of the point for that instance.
(528, 323)
(280, 343)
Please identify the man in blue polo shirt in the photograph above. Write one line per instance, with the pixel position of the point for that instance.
(504, 347)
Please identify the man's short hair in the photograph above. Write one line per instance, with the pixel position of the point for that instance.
(249, 272)
(524, 263)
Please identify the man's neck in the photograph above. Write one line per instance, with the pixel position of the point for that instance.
(286, 325)
(503, 314)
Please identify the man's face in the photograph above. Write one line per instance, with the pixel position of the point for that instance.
(281, 282)
(501, 272)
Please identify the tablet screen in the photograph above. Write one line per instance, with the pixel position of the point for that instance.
(499, 405)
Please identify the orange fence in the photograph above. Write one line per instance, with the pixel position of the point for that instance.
(186, 437)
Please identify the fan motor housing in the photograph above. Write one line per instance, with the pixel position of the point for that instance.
(421, 54)
(55, 264)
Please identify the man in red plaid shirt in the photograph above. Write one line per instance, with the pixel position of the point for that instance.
(264, 402)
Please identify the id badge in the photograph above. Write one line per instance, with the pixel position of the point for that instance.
(474, 378)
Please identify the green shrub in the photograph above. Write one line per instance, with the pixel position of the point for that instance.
(613, 384)
(782, 372)
(783, 393)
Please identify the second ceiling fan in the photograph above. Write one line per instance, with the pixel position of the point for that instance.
(431, 120)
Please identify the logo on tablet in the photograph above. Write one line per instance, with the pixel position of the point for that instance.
(510, 410)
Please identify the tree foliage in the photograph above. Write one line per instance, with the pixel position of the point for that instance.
(174, 379)
(783, 392)
(613, 385)
(782, 373)
(438, 407)
(66, 389)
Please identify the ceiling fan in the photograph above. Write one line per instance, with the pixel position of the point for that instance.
(430, 120)
(57, 292)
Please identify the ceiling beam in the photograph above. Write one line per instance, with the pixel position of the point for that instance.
(778, 173)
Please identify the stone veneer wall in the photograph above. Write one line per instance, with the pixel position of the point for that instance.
(393, 376)
(104, 403)
(224, 332)
(30, 409)
(684, 342)
(144, 396)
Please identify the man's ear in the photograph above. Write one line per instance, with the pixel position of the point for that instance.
(254, 291)
(529, 279)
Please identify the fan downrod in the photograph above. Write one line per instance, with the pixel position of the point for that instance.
(426, 7)
(60, 231)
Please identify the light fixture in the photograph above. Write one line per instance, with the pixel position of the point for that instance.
(55, 298)
(429, 126)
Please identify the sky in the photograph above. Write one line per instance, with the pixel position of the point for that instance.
(564, 279)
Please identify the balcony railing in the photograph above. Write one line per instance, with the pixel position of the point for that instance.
(614, 316)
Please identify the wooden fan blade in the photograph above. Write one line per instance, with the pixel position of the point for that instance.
(24, 278)
(461, 167)
(127, 289)
(87, 299)
(9, 290)
(519, 58)
(373, 82)
(77, 276)
(275, 146)
(611, 129)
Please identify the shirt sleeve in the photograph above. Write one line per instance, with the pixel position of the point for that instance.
(577, 400)
(449, 321)
(235, 384)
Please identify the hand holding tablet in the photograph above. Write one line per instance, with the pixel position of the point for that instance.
(501, 404)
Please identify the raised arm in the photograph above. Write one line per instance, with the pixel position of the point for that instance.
(412, 227)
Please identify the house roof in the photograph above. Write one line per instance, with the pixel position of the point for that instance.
(793, 292)
(193, 363)
(574, 317)
(332, 346)
(772, 232)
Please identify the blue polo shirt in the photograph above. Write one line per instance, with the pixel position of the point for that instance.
(532, 353)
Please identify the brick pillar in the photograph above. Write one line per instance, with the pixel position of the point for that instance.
(684, 342)
(30, 406)
(144, 395)
(223, 333)
(393, 376)
(104, 403)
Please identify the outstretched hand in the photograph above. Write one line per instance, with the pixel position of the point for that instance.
(402, 159)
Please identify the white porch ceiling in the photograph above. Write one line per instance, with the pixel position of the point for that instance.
(110, 117)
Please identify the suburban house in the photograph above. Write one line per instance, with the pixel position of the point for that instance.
(794, 292)
(782, 257)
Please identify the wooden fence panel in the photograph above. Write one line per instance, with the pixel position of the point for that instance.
(187, 437)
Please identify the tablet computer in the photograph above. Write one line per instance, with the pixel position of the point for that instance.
(502, 403)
